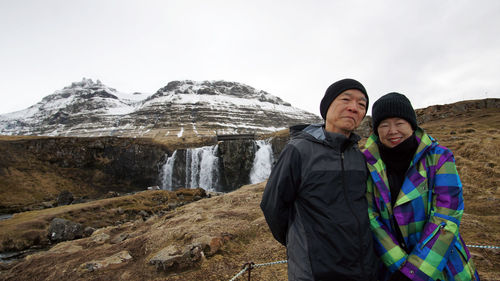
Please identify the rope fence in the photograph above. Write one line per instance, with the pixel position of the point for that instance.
(483, 246)
(250, 265)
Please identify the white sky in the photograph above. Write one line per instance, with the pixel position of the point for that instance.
(434, 51)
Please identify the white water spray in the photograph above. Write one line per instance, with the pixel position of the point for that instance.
(202, 167)
(262, 163)
(167, 172)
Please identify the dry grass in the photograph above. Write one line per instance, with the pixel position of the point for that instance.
(474, 139)
(28, 229)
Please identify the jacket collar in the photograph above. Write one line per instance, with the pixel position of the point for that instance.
(317, 133)
(375, 164)
(372, 153)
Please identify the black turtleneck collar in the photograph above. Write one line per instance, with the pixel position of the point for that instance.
(397, 161)
(399, 157)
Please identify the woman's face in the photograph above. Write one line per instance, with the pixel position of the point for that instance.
(393, 131)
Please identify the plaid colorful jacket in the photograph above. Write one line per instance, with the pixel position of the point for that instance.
(428, 211)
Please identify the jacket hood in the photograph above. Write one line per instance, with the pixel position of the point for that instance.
(317, 133)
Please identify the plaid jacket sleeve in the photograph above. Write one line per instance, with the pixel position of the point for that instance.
(440, 232)
(392, 255)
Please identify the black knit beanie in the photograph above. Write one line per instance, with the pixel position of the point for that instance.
(336, 89)
(393, 105)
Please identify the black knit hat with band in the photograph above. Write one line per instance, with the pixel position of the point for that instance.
(393, 105)
(338, 88)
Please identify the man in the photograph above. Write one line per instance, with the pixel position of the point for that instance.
(314, 201)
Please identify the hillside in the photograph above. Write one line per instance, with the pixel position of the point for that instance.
(212, 238)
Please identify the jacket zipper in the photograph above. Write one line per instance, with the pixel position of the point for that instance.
(440, 226)
(362, 252)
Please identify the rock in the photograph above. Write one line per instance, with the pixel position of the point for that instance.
(172, 205)
(211, 245)
(235, 161)
(143, 214)
(155, 187)
(119, 238)
(88, 231)
(63, 230)
(365, 128)
(120, 211)
(80, 200)
(172, 258)
(112, 194)
(100, 237)
(47, 204)
(117, 258)
(64, 198)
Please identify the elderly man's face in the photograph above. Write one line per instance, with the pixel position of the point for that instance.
(346, 112)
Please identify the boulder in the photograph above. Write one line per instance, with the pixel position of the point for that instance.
(63, 230)
(88, 231)
(117, 258)
(65, 198)
(172, 258)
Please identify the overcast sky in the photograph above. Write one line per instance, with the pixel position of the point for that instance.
(434, 51)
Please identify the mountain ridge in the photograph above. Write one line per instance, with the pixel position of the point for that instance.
(89, 108)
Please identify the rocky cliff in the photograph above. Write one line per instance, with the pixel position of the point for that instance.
(35, 169)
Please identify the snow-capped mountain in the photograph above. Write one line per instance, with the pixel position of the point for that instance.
(89, 108)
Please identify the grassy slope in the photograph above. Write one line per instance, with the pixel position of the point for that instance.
(29, 229)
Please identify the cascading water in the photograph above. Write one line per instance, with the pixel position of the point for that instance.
(262, 163)
(201, 167)
(167, 172)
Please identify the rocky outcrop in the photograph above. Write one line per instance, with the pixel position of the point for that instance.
(438, 112)
(236, 161)
(64, 198)
(63, 230)
(175, 258)
(171, 258)
(118, 258)
(43, 167)
(364, 129)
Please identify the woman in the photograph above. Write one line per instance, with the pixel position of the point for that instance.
(415, 198)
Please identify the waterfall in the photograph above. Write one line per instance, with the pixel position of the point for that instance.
(202, 167)
(199, 167)
(167, 172)
(262, 163)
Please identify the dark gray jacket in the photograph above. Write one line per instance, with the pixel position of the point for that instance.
(315, 205)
